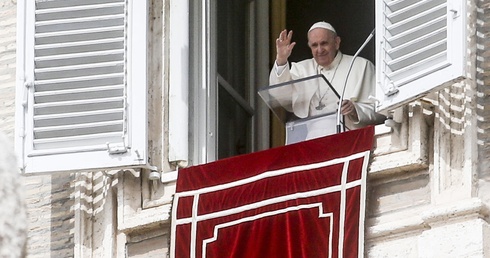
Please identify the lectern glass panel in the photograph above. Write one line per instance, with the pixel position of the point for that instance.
(307, 107)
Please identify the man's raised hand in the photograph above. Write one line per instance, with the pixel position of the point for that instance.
(284, 47)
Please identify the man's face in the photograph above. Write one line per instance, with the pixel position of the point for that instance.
(324, 45)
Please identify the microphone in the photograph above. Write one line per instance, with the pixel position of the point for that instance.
(347, 77)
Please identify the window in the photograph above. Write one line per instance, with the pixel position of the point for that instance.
(420, 45)
(235, 112)
(81, 93)
(229, 62)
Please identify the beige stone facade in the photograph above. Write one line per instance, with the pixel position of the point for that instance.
(428, 190)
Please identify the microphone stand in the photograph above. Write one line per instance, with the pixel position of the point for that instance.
(347, 77)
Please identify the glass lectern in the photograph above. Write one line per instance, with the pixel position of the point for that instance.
(307, 107)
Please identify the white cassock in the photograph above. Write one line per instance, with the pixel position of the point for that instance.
(312, 101)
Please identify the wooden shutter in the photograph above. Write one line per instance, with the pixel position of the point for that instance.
(83, 84)
(420, 45)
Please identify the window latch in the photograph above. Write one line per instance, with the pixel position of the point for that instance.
(116, 148)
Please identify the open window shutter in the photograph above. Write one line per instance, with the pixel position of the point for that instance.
(83, 84)
(420, 45)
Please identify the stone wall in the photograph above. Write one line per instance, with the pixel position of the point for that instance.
(8, 24)
(483, 91)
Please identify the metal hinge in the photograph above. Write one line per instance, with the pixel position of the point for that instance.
(27, 84)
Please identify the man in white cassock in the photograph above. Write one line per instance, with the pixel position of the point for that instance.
(356, 107)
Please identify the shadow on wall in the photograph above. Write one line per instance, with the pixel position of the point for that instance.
(13, 220)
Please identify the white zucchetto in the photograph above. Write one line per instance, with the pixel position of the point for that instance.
(323, 25)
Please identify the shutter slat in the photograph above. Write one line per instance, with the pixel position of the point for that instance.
(81, 78)
(59, 92)
(42, 118)
(79, 67)
(82, 25)
(81, 31)
(57, 131)
(400, 4)
(91, 71)
(80, 138)
(83, 95)
(79, 8)
(65, 104)
(87, 84)
(43, 4)
(80, 43)
(109, 56)
(83, 58)
(81, 106)
(75, 144)
(83, 22)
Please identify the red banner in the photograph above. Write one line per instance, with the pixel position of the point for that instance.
(301, 200)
